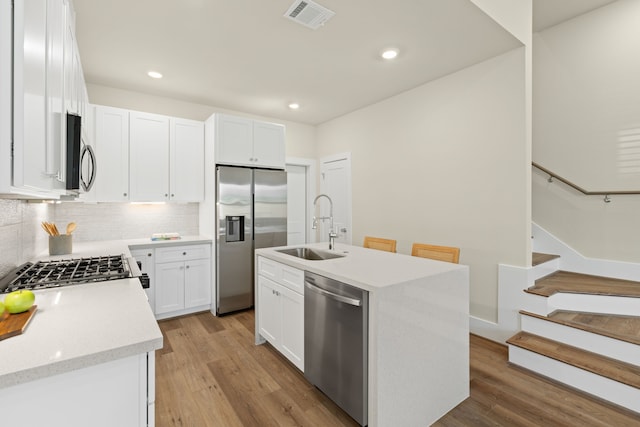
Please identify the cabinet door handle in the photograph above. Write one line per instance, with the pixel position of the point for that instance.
(124, 194)
(149, 254)
(187, 266)
(184, 253)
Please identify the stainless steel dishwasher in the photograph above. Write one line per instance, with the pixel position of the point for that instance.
(335, 342)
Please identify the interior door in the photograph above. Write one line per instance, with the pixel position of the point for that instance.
(296, 205)
(335, 181)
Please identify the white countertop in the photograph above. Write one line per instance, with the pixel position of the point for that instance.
(83, 325)
(367, 269)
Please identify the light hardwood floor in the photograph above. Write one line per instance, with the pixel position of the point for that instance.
(210, 374)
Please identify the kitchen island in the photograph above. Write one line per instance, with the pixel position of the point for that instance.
(418, 339)
(86, 357)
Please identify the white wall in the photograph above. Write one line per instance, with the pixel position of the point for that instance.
(446, 163)
(587, 98)
(587, 129)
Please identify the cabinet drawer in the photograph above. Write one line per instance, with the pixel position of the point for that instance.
(183, 253)
(289, 277)
(268, 268)
(292, 278)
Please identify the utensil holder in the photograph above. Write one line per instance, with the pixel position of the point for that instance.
(60, 245)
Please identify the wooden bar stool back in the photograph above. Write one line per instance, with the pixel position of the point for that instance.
(440, 253)
(379, 244)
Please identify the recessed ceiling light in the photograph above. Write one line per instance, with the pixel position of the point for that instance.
(294, 106)
(154, 74)
(389, 53)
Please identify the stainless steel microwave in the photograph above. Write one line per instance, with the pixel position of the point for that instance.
(81, 159)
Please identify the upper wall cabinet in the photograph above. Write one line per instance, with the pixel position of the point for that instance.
(166, 158)
(148, 157)
(112, 152)
(186, 165)
(36, 37)
(245, 142)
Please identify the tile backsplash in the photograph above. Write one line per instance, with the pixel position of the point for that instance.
(117, 221)
(22, 239)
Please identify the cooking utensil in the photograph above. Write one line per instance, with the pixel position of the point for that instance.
(45, 227)
(70, 227)
(48, 228)
(55, 230)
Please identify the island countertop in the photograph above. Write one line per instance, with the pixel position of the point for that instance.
(367, 269)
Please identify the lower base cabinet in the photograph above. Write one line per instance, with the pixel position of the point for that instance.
(183, 280)
(280, 309)
(116, 393)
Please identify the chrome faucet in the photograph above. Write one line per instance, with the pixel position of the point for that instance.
(332, 233)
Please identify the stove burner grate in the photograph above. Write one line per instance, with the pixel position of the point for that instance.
(47, 274)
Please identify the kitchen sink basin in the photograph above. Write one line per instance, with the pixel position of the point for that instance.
(310, 254)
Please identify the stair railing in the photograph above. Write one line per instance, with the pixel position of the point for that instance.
(606, 194)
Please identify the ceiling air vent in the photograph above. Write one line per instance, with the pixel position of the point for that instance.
(309, 14)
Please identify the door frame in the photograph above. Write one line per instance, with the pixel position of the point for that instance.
(334, 158)
(311, 178)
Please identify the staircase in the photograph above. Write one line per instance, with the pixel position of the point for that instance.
(581, 330)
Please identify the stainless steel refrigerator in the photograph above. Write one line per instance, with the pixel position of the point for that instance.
(251, 213)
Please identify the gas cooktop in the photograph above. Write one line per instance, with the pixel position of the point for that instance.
(49, 274)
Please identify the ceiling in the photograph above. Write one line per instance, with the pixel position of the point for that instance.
(244, 55)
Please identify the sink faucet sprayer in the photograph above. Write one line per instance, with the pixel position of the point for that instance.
(332, 233)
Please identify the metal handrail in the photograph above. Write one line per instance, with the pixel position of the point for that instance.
(606, 194)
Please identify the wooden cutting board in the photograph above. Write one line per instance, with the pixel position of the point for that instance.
(15, 324)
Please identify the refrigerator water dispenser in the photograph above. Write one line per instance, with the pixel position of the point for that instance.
(235, 229)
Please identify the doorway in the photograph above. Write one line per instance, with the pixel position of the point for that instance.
(301, 182)
(335, 181)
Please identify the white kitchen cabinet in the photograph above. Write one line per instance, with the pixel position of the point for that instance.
(116, 393)
(245, 142)
(170, 285)
(149, 157)
(146, 157)
(30, 97)
(269, 145)
(186, 161)
(56, 118)
(183, 280)
(280, 308)
(112, 154)
(36, 39)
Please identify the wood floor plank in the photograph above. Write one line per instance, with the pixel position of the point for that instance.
(214, 376)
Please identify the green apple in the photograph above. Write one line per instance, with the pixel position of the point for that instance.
(19, 301)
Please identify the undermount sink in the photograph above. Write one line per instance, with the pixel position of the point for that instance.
(310, 254)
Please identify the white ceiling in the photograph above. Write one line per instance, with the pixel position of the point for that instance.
(244, 55)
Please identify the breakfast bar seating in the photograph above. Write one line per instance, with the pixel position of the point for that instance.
(380, 244)
(440, 253)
